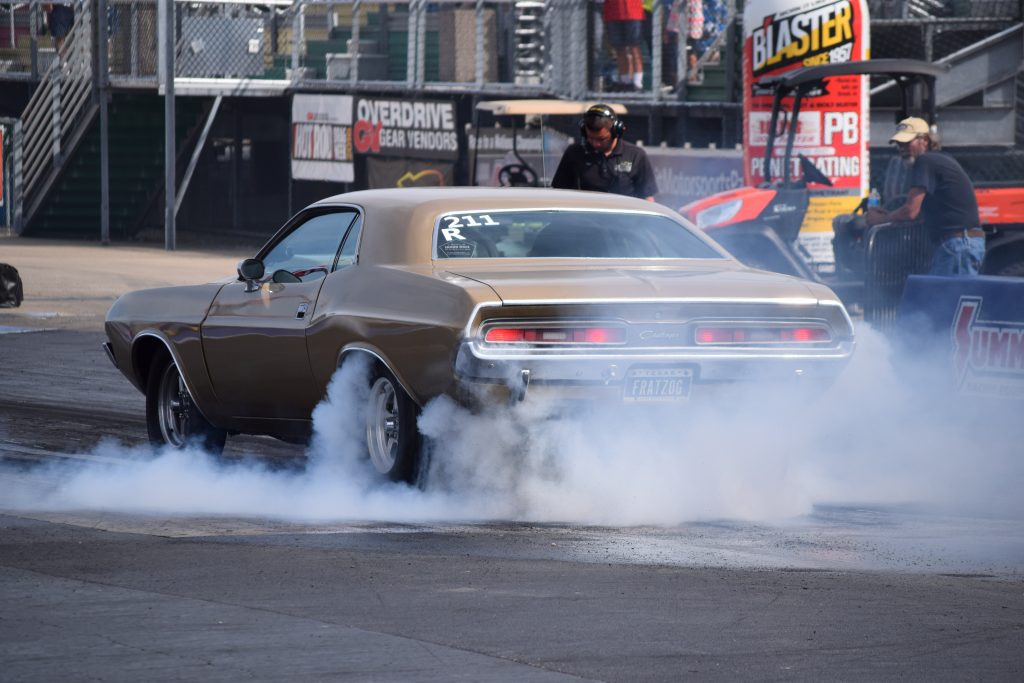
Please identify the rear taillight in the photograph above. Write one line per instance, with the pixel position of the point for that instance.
(747, 334)
(555, 335)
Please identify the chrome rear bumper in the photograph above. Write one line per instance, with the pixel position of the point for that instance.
(520, 369)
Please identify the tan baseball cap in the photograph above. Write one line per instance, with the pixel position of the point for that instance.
(910, 128)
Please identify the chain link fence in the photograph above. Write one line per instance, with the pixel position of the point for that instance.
(516, 46)
(935, 29)
(132, 37)
(27, 46)
(406, 43)
(524, 47)
(939, 9)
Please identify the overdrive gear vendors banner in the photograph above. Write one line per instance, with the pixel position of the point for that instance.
(418, 129)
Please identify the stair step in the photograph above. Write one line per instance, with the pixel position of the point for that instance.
(135, 166)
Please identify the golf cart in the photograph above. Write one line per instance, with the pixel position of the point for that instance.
(525, 159)
(760, 225)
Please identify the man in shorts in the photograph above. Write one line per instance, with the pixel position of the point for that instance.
(623, 21)
(60, 19)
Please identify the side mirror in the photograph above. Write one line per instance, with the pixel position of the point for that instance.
(250, 270)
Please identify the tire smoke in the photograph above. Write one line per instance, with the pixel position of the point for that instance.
(880, 436)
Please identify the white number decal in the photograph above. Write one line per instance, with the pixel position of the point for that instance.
(471, 221)
(451, 234)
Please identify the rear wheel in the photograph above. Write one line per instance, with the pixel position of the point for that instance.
(392, 438)
(172, 418)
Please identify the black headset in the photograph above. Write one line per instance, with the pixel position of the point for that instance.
(605, 112)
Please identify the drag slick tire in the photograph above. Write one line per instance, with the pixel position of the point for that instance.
(392, 438)
(172, 418)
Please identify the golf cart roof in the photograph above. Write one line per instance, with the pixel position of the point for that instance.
(543, 107)
(893, 67)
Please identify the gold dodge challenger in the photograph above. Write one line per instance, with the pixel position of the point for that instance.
(481, 294)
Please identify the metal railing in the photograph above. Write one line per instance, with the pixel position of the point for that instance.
(893, 252)
(551, 47)
(53, 120)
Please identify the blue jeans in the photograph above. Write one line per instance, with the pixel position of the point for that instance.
(958, 256)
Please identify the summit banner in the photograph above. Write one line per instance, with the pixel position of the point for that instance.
(832, 126)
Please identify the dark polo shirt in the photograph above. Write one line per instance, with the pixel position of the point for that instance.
(949, 201)
(627, 170)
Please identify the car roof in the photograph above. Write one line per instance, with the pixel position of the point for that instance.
(393, 215)
(510, 197)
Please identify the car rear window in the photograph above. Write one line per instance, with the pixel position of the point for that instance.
(565, 234)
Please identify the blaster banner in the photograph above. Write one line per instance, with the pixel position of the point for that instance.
(832, 127)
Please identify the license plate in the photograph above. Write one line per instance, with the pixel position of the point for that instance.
(657, 384)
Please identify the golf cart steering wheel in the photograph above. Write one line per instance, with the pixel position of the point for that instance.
(517, 175)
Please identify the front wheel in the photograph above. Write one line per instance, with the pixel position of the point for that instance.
(172, 418)
(392, 438)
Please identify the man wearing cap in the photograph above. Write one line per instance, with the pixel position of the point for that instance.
(941, 192)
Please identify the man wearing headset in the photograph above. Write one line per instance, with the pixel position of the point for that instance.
(603, 162)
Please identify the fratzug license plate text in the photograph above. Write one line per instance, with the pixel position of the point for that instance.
(657, 384)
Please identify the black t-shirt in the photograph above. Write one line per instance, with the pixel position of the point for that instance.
(627, 170)
(949, 202)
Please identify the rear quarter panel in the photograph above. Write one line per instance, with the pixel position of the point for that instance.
(410, 317)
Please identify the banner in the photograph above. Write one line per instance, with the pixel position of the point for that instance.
(683, 175)
(322, 138)
(832, 127)
(686, 175)
(408, 173)
(405, 128)
(970, 328)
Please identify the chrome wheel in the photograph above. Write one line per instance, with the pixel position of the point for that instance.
(383, 425)
(172, 418)
(174, 407)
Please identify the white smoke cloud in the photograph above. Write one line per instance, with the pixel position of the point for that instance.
(757, 455)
